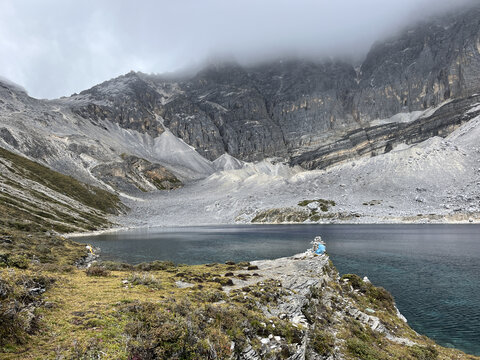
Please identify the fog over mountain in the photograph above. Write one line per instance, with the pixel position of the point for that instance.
(54, 48)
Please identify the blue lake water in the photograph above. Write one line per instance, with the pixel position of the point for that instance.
(433, 271)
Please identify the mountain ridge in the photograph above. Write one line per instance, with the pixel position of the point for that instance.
(278, 108)
(313, 114)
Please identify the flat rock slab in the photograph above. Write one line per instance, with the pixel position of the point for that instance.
(296, 273)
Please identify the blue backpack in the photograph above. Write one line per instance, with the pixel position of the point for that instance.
(320, 250)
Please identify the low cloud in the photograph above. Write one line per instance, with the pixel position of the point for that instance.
(56, 47)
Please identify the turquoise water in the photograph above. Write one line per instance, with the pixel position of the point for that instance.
(433, 271)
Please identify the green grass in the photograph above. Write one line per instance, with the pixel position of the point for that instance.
(148, 316)
(86, 194)
(322, 342)
(29, 222)
(374, 296)
(41, 211)
(363, 350)
(424, 352)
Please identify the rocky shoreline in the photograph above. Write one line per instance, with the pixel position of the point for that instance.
(298, 276)
(296, 307)
(306, 291)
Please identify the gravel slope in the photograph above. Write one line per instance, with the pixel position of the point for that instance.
(438, 179)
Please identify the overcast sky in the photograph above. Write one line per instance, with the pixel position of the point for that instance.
(57, 47)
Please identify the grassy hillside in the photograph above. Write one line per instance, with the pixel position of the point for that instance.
(86, 194)
(36, 203)
(120, 311)
(35, 198)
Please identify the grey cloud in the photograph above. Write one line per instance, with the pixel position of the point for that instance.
(57, 47)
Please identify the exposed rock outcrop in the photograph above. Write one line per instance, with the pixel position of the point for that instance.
(136, 173)
(331, 317)
(381, 139)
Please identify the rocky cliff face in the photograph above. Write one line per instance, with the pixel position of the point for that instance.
(426, 65)
(288, 107)
(310, 113)
(96, 152)
(381, 139)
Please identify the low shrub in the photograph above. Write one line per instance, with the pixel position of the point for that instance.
(324, 204)
(356, 282)
(145, 279)
(116, 266)
(91, 349)
(380, 297)
(155, 266)
(96, 270)
(424, 353)
(19, 294)
(362, 349)
(183, 329)
(376, 295)
(322, 342)
(18, 261)
(224, 281)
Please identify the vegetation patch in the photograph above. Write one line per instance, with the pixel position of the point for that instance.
(321, 204)
(156, 265)
(281, 216)
(19, 297)
(97, 270)
(322, 342)
(362, 350)
(145, 279)
(312, 210)
(373, 296)
(424, 352)
(372, 202)
(21, 249)
(86, 194)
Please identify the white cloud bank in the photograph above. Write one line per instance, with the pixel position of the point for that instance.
(57, 47)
